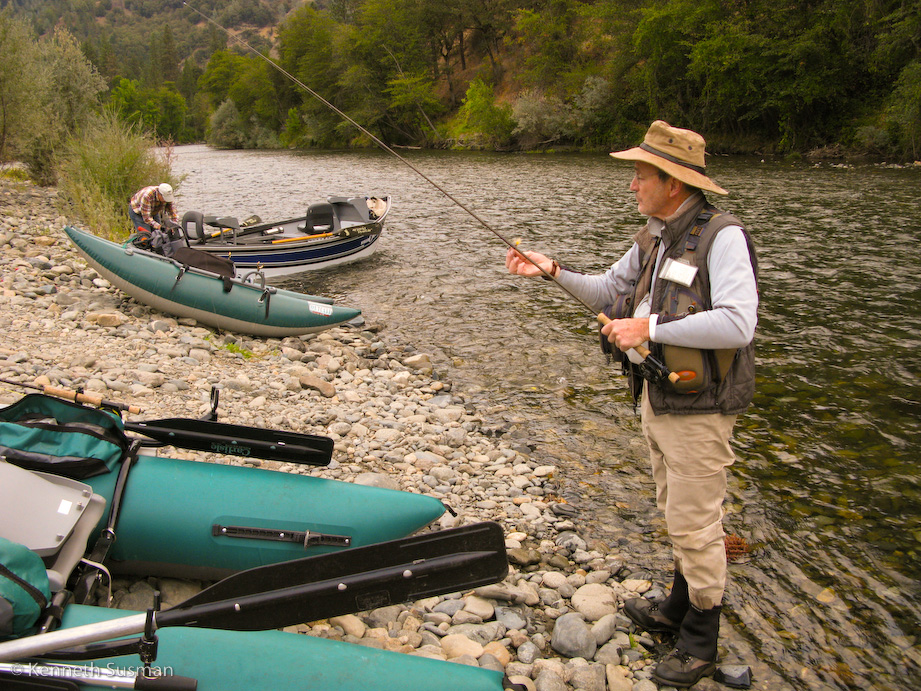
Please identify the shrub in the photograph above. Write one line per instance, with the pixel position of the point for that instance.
(488, 123)
(68, 86)
(100, 168)
(226, 129)
(540, 119)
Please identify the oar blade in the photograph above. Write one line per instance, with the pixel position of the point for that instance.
(238, 440)
(463, 558)
(353, 580)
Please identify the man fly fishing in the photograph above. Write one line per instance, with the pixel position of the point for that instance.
(687, 291)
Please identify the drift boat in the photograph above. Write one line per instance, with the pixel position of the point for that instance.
(340, 230)
(222, 302)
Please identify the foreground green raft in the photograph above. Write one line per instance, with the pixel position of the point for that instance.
(264, 660)
(181, 518)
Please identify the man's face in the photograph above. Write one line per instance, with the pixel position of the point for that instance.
(652, 192)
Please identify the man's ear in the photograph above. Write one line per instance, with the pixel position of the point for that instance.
(675, 187)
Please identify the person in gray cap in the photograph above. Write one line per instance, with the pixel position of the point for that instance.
(153, 209)
(687, 291)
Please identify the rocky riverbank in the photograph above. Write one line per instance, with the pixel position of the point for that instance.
(555, 621)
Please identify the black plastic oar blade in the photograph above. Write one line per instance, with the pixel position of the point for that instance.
(480, 559)
(350, 581)
(238, 440)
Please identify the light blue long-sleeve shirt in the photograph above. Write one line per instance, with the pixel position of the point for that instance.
(733, 292)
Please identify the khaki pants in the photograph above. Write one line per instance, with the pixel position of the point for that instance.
(689, 455)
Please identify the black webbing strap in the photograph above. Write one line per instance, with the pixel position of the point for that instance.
(83, 589)
(693, 238)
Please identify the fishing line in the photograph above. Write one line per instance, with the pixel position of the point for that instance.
(396, 155)
(601, 317)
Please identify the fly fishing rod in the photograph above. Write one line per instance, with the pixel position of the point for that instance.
(76, 396)
(658, 366)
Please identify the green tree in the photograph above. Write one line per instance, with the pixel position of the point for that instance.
(662, 42)
(19, 101)
(309, 44)
(488, 23)
(168, 56)
(415, 94)
(171, 112)
(219, 76)
(68, 89)
(227, 130)
(905, 110)
(481, 120)
(552, 36)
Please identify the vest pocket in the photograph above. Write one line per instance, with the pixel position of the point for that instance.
(697, 369)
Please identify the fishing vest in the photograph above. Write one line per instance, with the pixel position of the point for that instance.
(710, 381)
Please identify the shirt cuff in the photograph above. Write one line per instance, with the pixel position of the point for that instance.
(653, 319)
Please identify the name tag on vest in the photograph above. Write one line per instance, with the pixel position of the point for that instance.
(677, 271)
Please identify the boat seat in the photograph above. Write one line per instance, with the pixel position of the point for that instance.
(53, 516)
(354, 210)
(321, 218)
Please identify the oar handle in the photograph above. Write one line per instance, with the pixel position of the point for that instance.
(302, 237)
(642, 351)
(97, 401)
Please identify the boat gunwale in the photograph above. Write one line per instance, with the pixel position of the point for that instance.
(376, 225)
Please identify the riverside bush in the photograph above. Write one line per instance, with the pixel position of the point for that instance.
(483, 120)
(100, 168)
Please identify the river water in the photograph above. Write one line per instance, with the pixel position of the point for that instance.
(826, 489)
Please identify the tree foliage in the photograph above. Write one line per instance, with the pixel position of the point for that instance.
(755, 74)
(18, 100)
(48, 90)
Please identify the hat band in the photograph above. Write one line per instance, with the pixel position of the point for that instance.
(697, 169)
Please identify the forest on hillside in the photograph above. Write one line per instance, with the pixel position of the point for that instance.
(778, 76)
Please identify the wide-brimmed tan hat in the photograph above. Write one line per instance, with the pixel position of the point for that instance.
(678, 152)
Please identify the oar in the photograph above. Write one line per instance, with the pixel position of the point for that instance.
(207, 435)
(402, 570)
(238, 440)
(303, 237)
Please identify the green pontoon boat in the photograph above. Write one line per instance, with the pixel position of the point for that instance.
(221, 301)
(298, 548)
(161, 516)
(221, 638)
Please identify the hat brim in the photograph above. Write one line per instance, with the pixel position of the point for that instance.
(676, 170)
(168, 198)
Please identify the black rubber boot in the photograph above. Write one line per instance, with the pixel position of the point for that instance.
(695, 654)
(665, 616)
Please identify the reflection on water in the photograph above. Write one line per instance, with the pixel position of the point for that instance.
(827, 485)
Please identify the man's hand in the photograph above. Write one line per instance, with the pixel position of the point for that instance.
(627, 333)
(516, 263)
